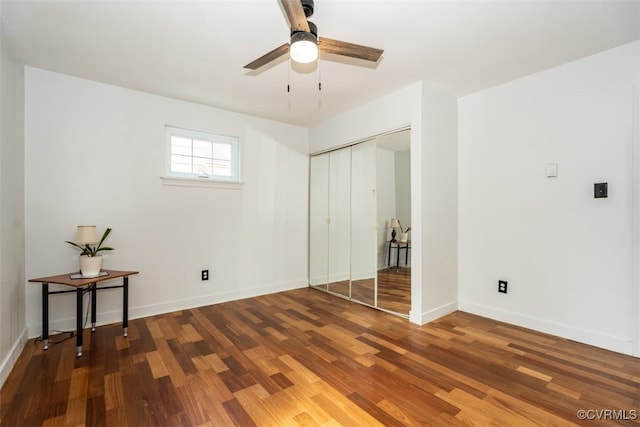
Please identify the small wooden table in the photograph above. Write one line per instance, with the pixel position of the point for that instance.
(83, 285)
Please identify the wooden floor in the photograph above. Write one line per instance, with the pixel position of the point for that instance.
(306, 358)
(394, 290)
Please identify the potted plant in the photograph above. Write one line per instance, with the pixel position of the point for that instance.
(404, 234)
(90, 260)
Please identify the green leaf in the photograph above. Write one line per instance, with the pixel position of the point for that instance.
(104, 236)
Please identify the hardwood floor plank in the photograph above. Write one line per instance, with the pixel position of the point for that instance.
(113, 391)
(237, 413)
(178, 376)
(344, 411)
(308, 358)
(191, 405)
(214, 384)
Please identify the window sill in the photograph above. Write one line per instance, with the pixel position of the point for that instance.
(200, 182)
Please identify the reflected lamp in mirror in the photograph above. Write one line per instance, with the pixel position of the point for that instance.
(86, 235)
(393, 224)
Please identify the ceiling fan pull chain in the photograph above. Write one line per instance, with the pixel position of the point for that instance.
(319, 76)
(319, 85)
(289, 85)
(289, 76)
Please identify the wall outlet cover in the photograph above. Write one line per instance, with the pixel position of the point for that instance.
(502, 286)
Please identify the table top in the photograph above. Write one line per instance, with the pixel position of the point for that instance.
(65, 279)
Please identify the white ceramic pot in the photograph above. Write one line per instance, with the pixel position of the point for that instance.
(90, 266)
(404, 237)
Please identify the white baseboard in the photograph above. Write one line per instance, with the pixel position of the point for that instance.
(11, 358)
(154, 309)
(115, 316)
(433, 314)
(597, 339)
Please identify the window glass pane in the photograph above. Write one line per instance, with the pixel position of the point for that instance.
(181, 164)
(180, 145)
(222, 151)
(202, 166)
(221, 168)
(202, 148)
(202, 154)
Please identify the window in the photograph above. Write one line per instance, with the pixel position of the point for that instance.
(202, 155)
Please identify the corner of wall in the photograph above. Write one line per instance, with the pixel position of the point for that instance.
(635, 196)
(12, 255)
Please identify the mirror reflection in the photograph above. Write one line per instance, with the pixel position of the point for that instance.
(394, 215)
(340, 221)
(318, 221)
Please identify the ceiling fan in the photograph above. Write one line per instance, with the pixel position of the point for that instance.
(305, 44)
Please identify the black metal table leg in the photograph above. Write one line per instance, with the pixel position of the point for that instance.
(125, 305)
(79, 293)
(94, 291)
(45, 315)
(406, 255)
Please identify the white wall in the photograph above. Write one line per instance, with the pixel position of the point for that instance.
(439, 204)
(566, 256)
(94, 154)
(12, 273)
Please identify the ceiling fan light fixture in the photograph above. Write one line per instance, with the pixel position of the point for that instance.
(304, 47)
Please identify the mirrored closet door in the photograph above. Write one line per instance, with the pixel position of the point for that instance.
(393, 180)
(339, 221)
(330, 222)
(363, 222)
(354, 193)
(319, 221)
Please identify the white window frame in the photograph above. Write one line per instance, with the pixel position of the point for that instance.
(193, 179)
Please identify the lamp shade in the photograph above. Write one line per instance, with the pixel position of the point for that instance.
(86, 235)
(394, 223)
(304, 47)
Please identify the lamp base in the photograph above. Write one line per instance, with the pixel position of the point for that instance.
(393, 235)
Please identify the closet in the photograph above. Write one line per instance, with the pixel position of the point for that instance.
(354, 193)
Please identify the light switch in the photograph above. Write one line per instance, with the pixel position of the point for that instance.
(552, 170)
(600, 190)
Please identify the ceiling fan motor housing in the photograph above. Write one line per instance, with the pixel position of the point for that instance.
(313, 30)
(307, 6)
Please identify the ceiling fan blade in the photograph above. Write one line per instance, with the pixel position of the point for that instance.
(268, 57)
(349, 49)
(295, 15)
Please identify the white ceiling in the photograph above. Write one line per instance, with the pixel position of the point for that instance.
(195, 50)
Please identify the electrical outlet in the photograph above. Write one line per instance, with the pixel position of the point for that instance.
(205, 274)
(502, 286)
